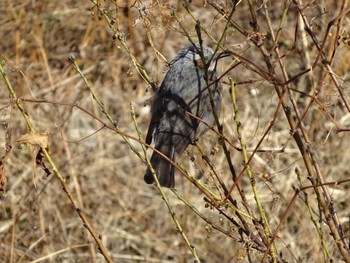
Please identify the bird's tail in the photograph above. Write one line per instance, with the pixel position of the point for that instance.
(163, 168)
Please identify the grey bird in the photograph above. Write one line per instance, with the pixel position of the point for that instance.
(184, 90)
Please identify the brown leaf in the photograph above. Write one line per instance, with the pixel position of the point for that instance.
(39, 162)
(3, 181)
(39, 139)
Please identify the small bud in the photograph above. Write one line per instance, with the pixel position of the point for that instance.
(72, 57)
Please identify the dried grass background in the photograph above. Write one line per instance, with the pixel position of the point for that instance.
(38, 222)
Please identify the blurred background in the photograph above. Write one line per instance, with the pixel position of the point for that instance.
(37, 221)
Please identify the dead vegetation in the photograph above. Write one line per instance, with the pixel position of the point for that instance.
(72, 165)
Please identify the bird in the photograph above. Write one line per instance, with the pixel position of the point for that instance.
(182, 100)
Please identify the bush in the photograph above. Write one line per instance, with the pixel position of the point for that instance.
(268, 183)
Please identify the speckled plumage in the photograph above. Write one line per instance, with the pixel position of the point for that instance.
(171, 128)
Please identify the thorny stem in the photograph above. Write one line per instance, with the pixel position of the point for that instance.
(119, 35)
(297, 129)
(161, 191)
(262, 213)
(101, 105)
(63, 181)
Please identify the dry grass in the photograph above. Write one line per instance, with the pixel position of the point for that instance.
(38, 222)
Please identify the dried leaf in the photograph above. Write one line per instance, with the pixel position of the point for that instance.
(3, 181)
(39, 139)
(39, 162)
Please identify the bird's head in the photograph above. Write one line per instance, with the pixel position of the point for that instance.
(201, 56)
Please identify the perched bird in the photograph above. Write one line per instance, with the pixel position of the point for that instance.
(184, 90)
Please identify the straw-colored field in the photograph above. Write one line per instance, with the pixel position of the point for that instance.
(66, 173)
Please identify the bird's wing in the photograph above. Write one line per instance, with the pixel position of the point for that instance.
(158, 108)
(204, 112)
